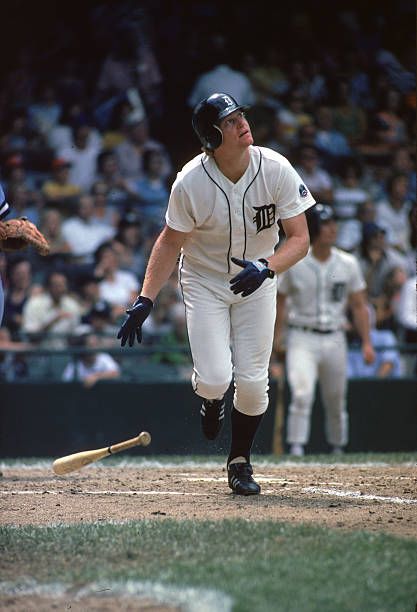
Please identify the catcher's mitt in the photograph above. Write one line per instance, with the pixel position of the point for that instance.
(20, 233)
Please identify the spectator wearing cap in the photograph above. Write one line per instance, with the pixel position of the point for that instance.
(137, 140)
(94, 365)
(16, 174)
(99, 318)
(59, 190)
(82, 153)
(82, 233)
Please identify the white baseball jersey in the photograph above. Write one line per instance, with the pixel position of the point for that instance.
(318, 291)
(234, 219)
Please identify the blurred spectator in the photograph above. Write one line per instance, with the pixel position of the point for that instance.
(16, 174)
(348, 196)
(105, 212)
(318, 180)
(331, 143)
(61, 135)
(83, 154)
(137, 140)
(94, 365)
(293, 115)
(23, 203)
(118, 287)
(377, 259)
(19, 288)
(99, 318)
(128, 244)
(403, 163)
(59, 190)
(349, 118)
(51, 315)
(13, 365)
(387, 362)
(221, 77)
(152, 190)
(44, 113)
(386, 304)
(18, 137)
(391, 128)
(393, 213)
(161, 321)
(119, 192)
(82, 233)
(51, 227)
(267, 77)
(405, 315)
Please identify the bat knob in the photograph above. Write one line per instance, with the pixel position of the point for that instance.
(145, 438)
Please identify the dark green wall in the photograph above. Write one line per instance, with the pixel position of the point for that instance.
(42, 420)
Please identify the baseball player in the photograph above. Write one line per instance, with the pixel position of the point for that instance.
(222, 216)
(4, 210)
(17, 234)
(313, 297)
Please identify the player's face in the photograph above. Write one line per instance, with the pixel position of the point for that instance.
(236, 130)
(328, 233)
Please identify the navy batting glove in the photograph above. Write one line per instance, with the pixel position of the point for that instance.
(252, 276)
(132, 325)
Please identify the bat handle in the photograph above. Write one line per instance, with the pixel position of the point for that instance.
(143, 439)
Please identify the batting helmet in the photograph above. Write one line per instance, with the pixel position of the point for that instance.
(207, 116)
(316, 216)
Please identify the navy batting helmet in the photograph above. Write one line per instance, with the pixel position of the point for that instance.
(316, 216)
(207, 116)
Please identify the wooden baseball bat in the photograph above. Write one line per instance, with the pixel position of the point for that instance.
(76, 461)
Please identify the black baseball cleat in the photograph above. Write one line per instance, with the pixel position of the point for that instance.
(212, 416)
(240, 479)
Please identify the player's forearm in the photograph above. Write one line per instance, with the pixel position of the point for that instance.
(292, 251)
(161, 264)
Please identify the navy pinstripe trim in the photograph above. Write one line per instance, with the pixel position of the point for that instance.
(243, 201)
(230, 215)
(4, 209)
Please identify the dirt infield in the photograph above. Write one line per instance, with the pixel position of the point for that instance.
(355, 497)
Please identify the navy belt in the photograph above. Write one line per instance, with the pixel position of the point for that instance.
(315, 330)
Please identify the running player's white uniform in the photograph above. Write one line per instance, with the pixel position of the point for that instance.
(4, 211)
(231, 335)
(317, 295)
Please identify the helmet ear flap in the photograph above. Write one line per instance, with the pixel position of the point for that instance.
(213, 137)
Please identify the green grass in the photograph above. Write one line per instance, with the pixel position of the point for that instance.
(263, 566)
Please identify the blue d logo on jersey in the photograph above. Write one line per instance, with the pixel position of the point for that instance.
(264, 217)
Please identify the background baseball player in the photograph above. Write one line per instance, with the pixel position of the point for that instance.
(17, 234)
(313, 297)
(222, 215)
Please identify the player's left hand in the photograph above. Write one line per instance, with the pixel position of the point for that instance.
(252, 276)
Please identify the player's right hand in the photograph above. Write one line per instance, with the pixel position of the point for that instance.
(132, 325)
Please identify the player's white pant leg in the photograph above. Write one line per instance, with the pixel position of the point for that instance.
(253, 320)
(332, 379)
(208, 327)
(302, 357)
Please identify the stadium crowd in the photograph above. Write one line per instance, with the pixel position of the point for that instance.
(90, 145)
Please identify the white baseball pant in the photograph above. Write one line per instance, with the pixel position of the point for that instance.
(313, 357)
(230, 336)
